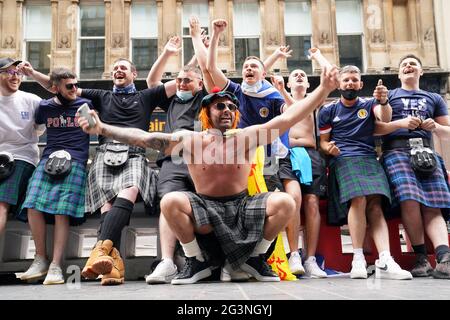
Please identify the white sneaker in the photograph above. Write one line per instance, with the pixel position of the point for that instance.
(391, 270)
(312, 269)
(359, 269)
(228, 274)
(295, 263)
(54, 275)
(38, 269)
(164, 272)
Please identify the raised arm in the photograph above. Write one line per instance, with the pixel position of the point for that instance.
(219, 79)
(278, 83)
(281, 52)
(172, 47)
(383, 111)
(200, 43)
(44, 80)
(297, 112)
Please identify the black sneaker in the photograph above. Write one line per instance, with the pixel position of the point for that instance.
(258, 268)
(422, 268)
(193, 271)
(442, 270)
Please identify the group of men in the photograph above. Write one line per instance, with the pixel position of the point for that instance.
(203, 177)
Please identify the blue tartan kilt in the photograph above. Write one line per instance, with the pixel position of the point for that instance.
(52, 196)
(433, 191)
(13, 189)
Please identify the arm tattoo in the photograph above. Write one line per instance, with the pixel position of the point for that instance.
(157, 141)
(133, 136)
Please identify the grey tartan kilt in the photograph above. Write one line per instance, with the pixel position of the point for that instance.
(238, 221)
(104, 183)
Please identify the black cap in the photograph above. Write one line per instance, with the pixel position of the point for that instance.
(7, 62)
(210, 98)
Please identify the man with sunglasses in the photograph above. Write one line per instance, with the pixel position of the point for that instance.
(219, 163)
(182, 112)
(112, 187)
(56, 191)
(19, 152)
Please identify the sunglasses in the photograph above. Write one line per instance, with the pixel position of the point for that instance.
(222, 105)
(70, 86)
(184, 80)
(12, 72)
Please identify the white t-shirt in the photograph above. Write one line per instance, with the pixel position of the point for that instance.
(18, 134)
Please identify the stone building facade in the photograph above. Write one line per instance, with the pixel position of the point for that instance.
(379, 31)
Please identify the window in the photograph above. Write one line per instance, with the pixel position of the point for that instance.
(37, 36)
(349, 34)
(144, 36)
(298, 30)
(92, 41)
(246, 22)
(197, 8)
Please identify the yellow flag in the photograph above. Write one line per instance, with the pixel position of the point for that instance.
(279, 262)
(256, 184)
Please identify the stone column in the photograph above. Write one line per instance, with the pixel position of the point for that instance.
(375, 35)
(169, 25)
(117, 35)
(11, 28)
(64, 34)
(223, 9)
(272, 30)
(324, 34)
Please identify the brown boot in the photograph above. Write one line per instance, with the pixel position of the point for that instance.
(116, 276)
(99, 261)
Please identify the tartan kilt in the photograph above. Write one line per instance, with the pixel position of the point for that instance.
(361, 176)
(238, 221)
(63, 196)
(104, 183)
(433, 192)
(13, 189)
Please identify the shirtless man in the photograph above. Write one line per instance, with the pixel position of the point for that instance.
(219, 164)
(302, 142)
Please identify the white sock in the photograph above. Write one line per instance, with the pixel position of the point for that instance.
(192, 249)
(384, 256)
(295, 253)
(261, 247)
(358, 255)
(168, 260)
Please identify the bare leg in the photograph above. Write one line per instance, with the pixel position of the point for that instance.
(292, 187)
(377, 224)
(312, 215)
(412, 221)
(168, 239)
(130, 193)
(60, 236)
(357, 221)
(280, 208)
(38, 230)
(435, 226)
(4, 208)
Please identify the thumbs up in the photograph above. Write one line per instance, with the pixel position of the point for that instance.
(380, 82)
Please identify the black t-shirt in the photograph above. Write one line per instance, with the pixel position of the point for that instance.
(126, 110)
(181, 115)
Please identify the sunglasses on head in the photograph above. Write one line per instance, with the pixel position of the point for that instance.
(12, 72)
(222, 105)
(70, 86)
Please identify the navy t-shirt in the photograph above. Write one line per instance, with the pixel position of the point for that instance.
(63, 131)
(132, 110)
(259, 108)
(416, 103)
(350, 127)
